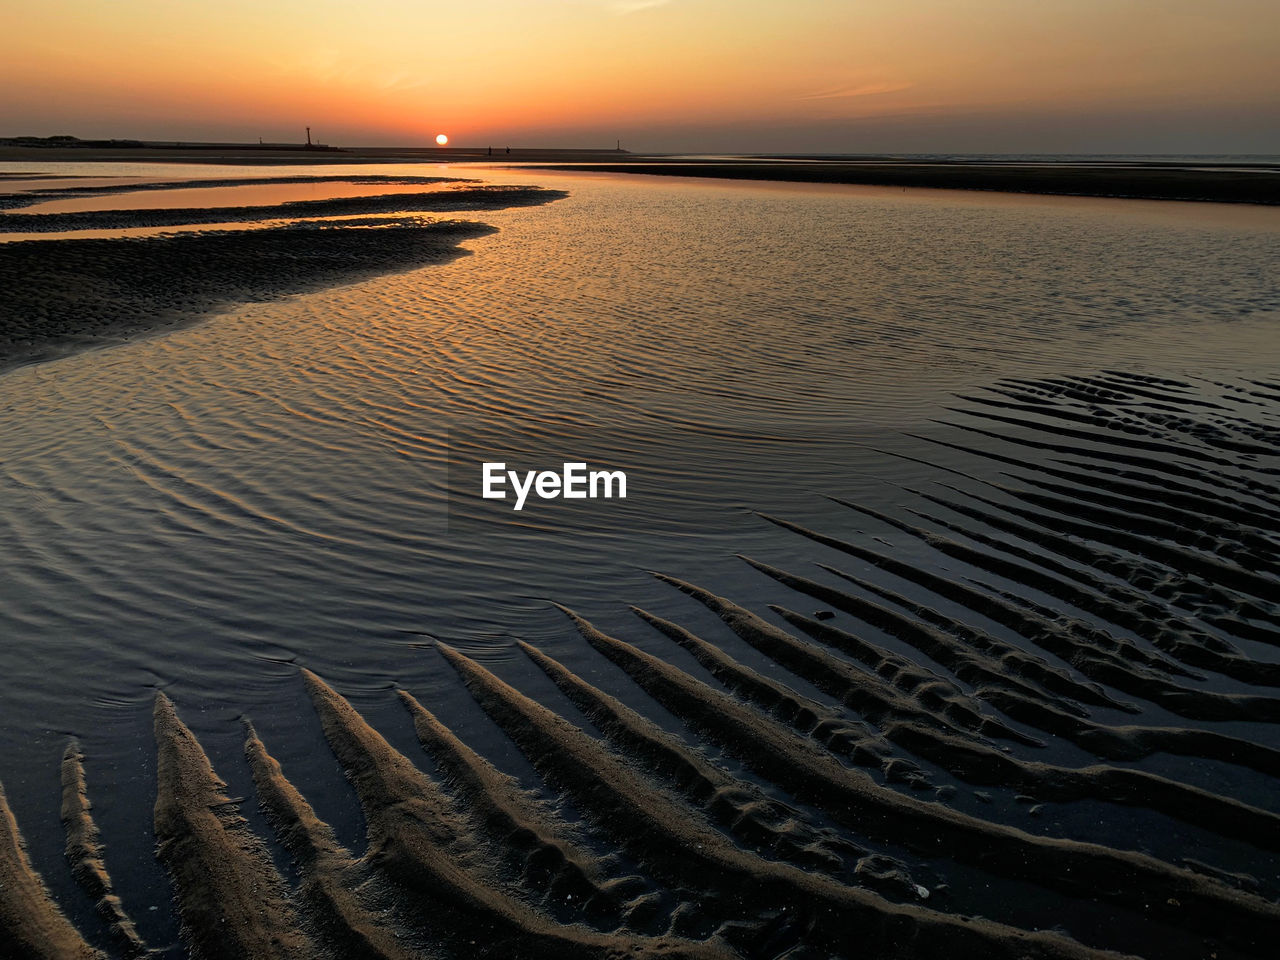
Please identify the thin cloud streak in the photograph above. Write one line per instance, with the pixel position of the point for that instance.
(863, 90)
(624, 7)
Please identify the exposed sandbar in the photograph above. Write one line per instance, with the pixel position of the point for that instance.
(487, 197)
(84, 851)
(66, 295)
(28, 198)
(233, 903)
(32, 927)
(1216, 184)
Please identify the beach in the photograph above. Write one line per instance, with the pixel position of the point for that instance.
(939, 619)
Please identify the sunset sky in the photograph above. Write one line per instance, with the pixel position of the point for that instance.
(663, 75)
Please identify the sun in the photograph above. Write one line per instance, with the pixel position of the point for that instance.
(441, 139)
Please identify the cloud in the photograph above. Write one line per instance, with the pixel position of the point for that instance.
(862, 90)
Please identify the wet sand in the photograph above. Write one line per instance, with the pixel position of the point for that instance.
(73, 188)
(1260, 186)
(31, 924)
(461, 198)
(69, 294)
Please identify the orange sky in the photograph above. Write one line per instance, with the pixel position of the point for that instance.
(839, 75)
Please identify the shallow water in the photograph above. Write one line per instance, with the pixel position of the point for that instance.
(228, 196)
(295, 482)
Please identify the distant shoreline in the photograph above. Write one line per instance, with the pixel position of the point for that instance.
(1246, 181)
(179, 152)
(1215, 183)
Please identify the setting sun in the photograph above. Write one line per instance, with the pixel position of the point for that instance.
(441, 139)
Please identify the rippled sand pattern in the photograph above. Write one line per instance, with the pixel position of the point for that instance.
(790, 842)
